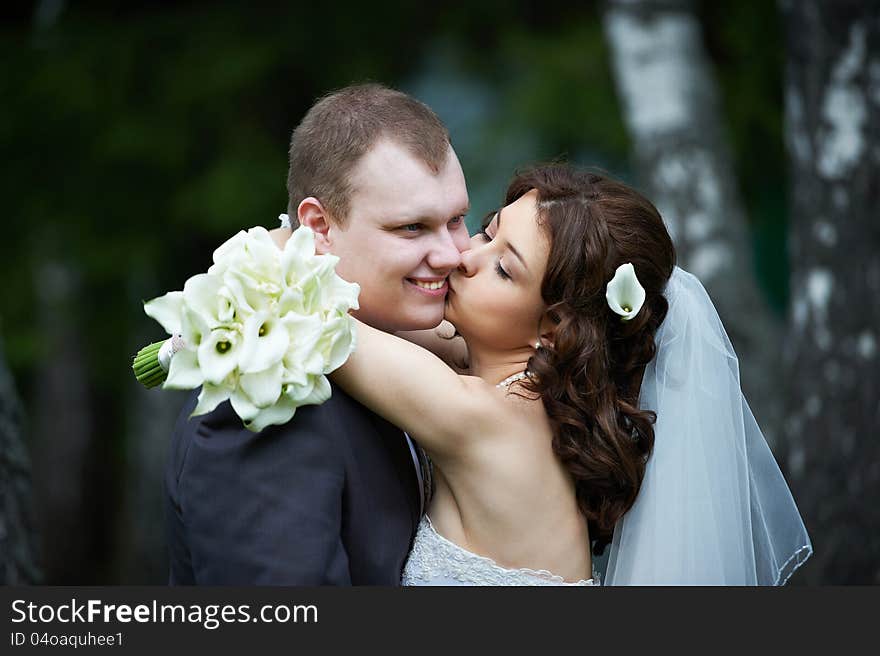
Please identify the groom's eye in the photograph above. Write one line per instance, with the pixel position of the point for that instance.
(412, 227)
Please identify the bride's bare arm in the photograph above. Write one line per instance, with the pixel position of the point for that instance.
(413, 389)
(280, 236)
(408, 380)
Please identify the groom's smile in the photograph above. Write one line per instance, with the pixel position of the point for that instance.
(432, 287)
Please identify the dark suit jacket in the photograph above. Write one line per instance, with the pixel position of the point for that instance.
(330, 498)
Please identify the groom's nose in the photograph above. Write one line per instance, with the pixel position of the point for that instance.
(444, 254)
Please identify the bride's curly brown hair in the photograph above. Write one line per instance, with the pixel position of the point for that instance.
(590, 376)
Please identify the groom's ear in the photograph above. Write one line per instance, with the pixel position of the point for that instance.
(311, 213)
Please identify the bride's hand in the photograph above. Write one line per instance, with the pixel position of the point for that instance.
(443, 342)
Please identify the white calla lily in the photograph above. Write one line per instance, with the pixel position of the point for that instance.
(319, 393)
(291, 300)
(296, 257)
(193, 328)
(337, 342)
(302, 356)
(314, 391)
(261, 261)
(200, 295)
(279, 413)
(294, 376)
(245, 293)
(210, 397)
(266, 339)
(263, 387)
(225, 310)
(311, 287)
(227, 253)
(252, 255)
(184, 371)
(243, 406)
(343, 294)
(218, 354)
(167, 311)
(624, 293)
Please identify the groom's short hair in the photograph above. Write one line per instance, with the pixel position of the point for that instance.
(341, 127)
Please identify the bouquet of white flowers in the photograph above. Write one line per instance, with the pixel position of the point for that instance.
(261, 328)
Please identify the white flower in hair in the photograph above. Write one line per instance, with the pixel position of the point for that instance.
(624, 293)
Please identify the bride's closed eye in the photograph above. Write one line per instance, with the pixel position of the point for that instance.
(501, 272)
(487, 237)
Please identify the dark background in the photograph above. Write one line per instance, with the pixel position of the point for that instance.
(135, 140)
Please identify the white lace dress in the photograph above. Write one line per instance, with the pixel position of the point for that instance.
(434, 560)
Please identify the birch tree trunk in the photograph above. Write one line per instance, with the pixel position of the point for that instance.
(832, 105)
(18, 538)
(671, 107)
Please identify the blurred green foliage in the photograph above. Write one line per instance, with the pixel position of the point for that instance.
(136, 140)
(746, 43)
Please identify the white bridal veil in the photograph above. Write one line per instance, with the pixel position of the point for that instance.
(713, 509)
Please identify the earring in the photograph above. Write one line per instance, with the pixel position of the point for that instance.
(537, 345)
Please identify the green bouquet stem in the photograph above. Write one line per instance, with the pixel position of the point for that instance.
(147, 369)
(146, 358)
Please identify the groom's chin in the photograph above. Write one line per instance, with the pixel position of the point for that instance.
(423, 318)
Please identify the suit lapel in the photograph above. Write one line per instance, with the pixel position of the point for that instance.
(405, 466)
(418, 461)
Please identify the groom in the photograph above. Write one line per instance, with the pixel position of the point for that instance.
(334, 496)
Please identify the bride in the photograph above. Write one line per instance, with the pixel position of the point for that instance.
(602, 406)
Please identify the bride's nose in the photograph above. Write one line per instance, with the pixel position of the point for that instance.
(468, 263)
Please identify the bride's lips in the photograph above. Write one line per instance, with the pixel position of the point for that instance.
(427, 290)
